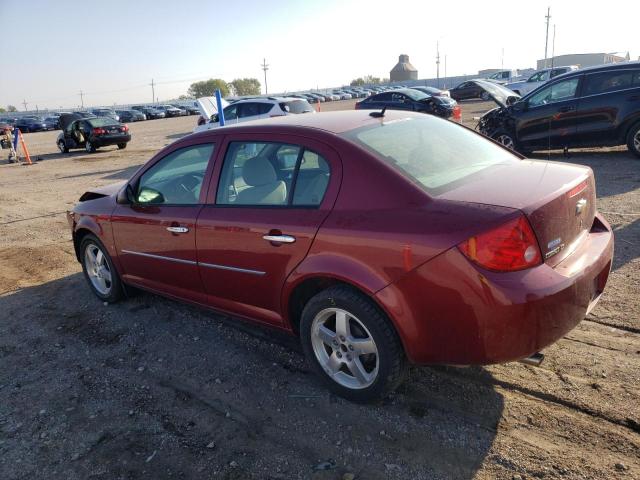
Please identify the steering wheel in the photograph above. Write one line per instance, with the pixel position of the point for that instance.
(187, 187)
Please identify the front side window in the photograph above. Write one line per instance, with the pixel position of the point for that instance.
(271, 174)
(608, 82)
(177, 178)
(537, 77)
(564, 90)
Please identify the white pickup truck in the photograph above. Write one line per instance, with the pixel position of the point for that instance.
(539, 78)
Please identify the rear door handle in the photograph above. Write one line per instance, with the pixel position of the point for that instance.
(177, 229)
(279, 238)
(565, 109)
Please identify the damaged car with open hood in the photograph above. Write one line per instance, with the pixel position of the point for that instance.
(91, 133)
(591, 107)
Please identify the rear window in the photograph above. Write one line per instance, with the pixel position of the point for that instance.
(608, 82)
(102, 122)
(435, 154)
(296, 106)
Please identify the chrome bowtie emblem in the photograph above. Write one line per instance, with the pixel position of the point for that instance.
(582, 203)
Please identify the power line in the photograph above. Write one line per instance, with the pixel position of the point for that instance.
(265, 67)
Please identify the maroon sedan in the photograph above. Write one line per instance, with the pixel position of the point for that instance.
(381, 241)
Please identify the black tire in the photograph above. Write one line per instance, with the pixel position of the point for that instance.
(122, 146)
(63, 146)
(116, 290)
(392, 364)
(633, 139)
(89, 147)
(484, 96)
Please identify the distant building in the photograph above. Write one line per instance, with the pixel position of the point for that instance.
(583, 59)
(403, 70)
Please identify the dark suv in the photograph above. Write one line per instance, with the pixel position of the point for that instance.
(592, 107)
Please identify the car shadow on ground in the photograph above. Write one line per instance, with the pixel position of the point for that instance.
(151, 387)
(114, 174)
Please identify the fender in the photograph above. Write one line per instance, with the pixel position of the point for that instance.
(100, 226)
(331, 266)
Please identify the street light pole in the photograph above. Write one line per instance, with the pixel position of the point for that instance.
(546, 40)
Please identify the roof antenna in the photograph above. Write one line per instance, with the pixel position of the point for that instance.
(378, 114)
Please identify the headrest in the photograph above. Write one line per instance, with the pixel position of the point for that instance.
(258, 171)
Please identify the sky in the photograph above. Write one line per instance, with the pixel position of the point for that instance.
(111, 50)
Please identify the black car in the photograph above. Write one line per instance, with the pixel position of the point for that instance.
(150, 112)
(467, 90)
(52, 123)
(131, 115)
(188, 109)
(30, 124)
(91, 133)
(592, 107)
(409, 99)
(106, 112)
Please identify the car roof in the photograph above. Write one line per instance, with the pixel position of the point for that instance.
(333, 122)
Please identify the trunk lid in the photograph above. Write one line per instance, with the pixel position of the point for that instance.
(558, 199)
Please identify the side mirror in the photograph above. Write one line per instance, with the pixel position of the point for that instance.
(150, 196)
(517, 105)
(214, 118)
(125, 196)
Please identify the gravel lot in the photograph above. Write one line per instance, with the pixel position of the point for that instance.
(150, 388)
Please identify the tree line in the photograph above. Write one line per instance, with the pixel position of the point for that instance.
(239, 86)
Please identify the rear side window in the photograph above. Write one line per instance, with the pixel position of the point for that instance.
(636, 78)
(608, 82)
(437, 155)
(296, 106)
(272, 174)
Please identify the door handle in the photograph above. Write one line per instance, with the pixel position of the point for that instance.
(565, 109)
(177, 229)
(279, 238)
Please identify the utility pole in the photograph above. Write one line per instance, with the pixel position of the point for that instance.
(24, 102)
(265, 67)
(502, 60)
(153, 91)
(438, 63)
(445, 70)
(81, 98)
(553, 46)
(546, 40)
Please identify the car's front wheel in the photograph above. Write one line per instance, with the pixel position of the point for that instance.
(99, 270)
(89, 147)
(505, 139)
(352, 345)
(484, 96)
(633, 139)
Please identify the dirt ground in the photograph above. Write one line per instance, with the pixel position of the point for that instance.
(151, 388)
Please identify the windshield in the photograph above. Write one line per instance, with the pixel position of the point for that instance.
(414, 94)
(435, 154)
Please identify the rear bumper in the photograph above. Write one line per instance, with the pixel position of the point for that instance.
(452, 312)
(105, 140)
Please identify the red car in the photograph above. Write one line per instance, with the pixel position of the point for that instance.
(381, 241)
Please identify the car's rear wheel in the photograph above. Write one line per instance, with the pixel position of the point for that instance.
(122, 146)
(351, 344)
(99, 271)
(89, 147)
(62, 146)
(484, 96)
(633, 139)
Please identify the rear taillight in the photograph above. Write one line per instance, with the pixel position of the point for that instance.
(507, 248)
(124, 128)
(577, 189)
(99, 131)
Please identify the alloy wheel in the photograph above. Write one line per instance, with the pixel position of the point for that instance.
(506, 141)
(345, 348)
(61, 146)
(636, 141)
(98, 269)
(87, 146)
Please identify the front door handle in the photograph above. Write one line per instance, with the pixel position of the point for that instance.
(565, 109)
(279, 238)
(177, 229)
